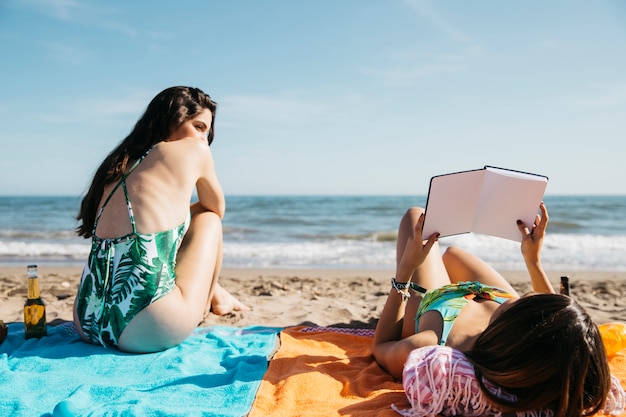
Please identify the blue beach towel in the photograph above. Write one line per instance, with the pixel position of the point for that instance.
(215, 372)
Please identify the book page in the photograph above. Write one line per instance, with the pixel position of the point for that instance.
(516, 174)
(507, 196)
(452, 202)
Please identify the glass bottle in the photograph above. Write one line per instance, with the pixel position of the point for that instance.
(34, 308)
(564, 285)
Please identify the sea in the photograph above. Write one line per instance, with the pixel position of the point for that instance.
(339, 232)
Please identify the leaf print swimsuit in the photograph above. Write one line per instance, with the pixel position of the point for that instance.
(124, 275)
(450, 299)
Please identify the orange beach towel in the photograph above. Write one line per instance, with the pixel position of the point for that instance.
(331, 372)
(326, 372)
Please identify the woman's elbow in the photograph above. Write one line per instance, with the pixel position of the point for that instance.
(389, 359)
(220, 209)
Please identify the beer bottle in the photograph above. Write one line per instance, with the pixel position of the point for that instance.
(34, 308)
(564, 285)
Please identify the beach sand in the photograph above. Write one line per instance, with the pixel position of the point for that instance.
(321, 297)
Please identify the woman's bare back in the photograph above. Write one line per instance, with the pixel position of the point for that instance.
(159, 189)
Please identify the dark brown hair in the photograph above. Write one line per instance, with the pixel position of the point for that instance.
(165, 113)
(548, 353)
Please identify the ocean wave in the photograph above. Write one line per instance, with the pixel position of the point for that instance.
(560, 251)
(337, 253)
(375, 236)
(37, 234)
(43, 250)
(386, 236)
(565, 226)
(369, 237)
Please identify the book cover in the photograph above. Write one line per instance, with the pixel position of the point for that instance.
(488, 201)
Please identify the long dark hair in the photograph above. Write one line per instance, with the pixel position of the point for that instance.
(545, 350)
(166, 112)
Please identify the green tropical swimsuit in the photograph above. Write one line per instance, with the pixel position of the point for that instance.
(450, 299)
(124, 275)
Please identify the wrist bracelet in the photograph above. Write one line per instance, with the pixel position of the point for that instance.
(401, 286)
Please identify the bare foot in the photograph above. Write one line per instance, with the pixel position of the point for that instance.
(224, 302)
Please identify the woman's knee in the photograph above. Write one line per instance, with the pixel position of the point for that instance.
(206, 217)
(453, 255)
(411, 216)
(452, 252)
(414, 212)
(206, 222)
(204, 235)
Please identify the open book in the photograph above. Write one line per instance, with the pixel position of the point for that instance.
(487, 201)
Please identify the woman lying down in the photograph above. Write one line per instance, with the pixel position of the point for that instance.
(464, 342)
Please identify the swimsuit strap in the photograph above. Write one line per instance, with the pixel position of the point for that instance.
(476, 289)
(122, 182)
(129, 207)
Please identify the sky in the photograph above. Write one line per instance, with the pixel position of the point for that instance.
(337, 97)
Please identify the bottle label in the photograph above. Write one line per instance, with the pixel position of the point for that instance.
(35, 321)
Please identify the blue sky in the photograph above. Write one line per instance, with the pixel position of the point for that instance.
(322, 97)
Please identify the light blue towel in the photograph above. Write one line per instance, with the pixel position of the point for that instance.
(215, 372)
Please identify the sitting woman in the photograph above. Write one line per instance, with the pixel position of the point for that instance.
(152, 272)
(537, 352)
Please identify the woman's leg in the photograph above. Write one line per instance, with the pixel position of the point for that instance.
(430, 274)
(170, 320)
(224, 302)
(219, 301)
(464, 266)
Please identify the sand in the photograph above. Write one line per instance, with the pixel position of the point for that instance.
(322, 297)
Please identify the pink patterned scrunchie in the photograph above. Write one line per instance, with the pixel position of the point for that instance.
(440, 380)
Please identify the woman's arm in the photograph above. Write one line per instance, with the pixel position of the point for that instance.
(532, 241)
(392, 355)
(390, 350)
(210, 194)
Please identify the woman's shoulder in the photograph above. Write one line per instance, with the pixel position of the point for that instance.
(192, 151)
(193, 145)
